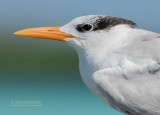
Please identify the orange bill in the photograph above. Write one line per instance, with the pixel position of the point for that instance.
(44, 32)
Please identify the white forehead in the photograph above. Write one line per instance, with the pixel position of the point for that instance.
(86, 19)
(70, 28)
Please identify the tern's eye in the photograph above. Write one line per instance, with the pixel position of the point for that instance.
(84, 27)
(87, 27)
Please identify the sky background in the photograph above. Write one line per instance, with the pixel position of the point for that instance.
(46, 70)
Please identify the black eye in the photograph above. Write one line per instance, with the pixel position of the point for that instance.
(87, 27)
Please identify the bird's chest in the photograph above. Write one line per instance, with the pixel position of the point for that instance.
(86, 70)
(90, 64)
(86, 74)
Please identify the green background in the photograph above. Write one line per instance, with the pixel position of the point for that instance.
(47, 70)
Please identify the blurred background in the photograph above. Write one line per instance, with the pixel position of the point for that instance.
(47, 71)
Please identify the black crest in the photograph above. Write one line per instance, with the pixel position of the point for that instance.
(105, 23)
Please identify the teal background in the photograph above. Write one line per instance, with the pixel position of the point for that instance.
(47, 70)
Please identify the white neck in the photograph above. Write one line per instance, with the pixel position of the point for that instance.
(102, 50)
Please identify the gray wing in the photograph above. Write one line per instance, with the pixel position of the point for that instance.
(136, 90)
(145, 44)
(138, 96)
(144, 52)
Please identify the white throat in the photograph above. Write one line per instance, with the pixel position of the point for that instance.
(100, 51)
(103, 49)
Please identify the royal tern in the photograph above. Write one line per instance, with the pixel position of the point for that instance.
(118, 62)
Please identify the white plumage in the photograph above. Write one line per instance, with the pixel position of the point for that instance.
(119, 63)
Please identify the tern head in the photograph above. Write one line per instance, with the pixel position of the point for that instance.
(84, 32)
